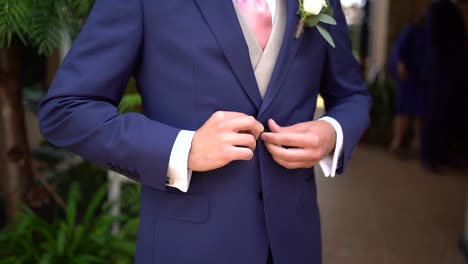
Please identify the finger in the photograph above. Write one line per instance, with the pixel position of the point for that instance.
(243, 140)
(222, 115)
(285, 139)
(239, 153)
(230, 114)
(291, 154)
(297, 165)
(256, 132)
(274, 127)
(293, 165)
(244, 123)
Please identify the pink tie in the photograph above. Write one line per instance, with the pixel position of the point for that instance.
(258, 16)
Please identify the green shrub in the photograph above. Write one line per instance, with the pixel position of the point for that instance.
(383, 104)
(68, 239)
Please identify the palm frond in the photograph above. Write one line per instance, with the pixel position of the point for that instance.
(13, 15)
(41, 23)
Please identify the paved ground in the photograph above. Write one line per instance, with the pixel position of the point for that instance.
(389, 211)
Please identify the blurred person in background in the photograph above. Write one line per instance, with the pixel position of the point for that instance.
(444, 122)
(405, 67)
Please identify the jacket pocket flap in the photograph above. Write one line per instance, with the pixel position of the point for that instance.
(177, 206)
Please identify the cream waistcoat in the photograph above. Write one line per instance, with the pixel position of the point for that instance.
(263, 61)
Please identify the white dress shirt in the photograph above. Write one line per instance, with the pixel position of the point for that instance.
(179, 175)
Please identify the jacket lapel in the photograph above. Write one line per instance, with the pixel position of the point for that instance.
(221, 17)
(286, 55)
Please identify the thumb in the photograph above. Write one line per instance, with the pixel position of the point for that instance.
(274, 127)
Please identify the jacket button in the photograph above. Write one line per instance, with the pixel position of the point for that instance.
(260, 196)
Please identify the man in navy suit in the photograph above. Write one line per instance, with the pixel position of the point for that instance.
(225, 146)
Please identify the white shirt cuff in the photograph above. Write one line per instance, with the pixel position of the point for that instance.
(329, 164)
(178, 175)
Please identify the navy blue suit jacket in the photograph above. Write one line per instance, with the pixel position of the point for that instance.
(190, 59)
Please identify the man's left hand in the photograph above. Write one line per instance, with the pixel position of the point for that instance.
(301, 145)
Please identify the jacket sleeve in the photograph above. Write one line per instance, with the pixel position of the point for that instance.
(344, 92)
(80, 111)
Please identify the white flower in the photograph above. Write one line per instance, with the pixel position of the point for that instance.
(314, 6)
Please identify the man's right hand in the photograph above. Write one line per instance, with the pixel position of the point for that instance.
(225, 137)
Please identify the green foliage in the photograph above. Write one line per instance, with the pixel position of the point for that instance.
(131, 206)
(41, 23)
(130, 103)
(382, 112)
(13, 13)
(90, 176)
(74, 238)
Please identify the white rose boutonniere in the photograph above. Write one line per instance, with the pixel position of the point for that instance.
(314, 7)
(312, 12)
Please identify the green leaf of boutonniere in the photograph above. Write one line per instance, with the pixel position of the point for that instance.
(326, 35)
(311, 21)
(324, 18)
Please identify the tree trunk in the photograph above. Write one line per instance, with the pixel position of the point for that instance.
(15, 158)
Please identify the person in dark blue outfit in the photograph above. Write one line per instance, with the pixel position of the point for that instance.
(444, 72)
(405, 68)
